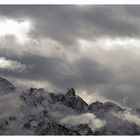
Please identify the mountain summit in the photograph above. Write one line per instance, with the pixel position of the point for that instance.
(45, 113)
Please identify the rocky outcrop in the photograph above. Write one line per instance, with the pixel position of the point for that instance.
(42, 112)
(53, 128)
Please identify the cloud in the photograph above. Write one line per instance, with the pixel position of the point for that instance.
(87, 118)
(44, 47)
(19, 30)
(94, 49)
(9, 105)
(7, 64)
(128, 116)
(67, 23)
(23, 83)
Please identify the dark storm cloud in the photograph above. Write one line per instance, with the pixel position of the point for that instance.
(67, 24)
(59, 72)
(133, 10)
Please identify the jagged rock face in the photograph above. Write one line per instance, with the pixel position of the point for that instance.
(126, 128)
(83, 129)
(70, 93)
(49, 125)
(104, 107)
(33, 97)
(62, 97)
(57, 98)
(96, 106)
(76, 103)
(108, 106)
(55, 129)
(70, 99)
(6, 86)
(42, 114)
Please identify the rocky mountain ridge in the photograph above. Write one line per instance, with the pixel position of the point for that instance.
(45, 113)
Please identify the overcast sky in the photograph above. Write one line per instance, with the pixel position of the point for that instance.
(95, 49)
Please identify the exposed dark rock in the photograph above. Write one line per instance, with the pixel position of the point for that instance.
(104, 107)
(6, 86)
(83, 129)
(55, 129)
(76, 103)
(70, 93)
(95, 106)
(109, 106)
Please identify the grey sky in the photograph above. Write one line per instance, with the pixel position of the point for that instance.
(95, 49)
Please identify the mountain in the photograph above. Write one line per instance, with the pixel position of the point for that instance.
(6, 86)
(100, 109)
(46, 113)
(55, 129)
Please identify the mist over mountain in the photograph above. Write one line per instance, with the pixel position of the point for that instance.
(6, 86)
(36, 111)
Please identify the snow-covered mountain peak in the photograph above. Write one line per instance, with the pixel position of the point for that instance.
(70, 93)
(104, 107)
(36, 92)
(95, 106)
(45, 113)
(108, 106)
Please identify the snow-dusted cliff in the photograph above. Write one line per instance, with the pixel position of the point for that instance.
(43, 113)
